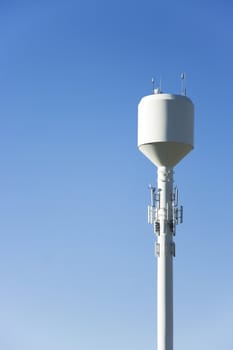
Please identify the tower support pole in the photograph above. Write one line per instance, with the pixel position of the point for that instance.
(165, 249)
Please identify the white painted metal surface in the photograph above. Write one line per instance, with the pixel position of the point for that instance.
(165, 136)
(165, 128)
(165, 251)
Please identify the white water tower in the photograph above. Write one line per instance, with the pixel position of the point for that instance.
(165, 136)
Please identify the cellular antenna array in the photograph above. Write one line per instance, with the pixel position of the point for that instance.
(165, 137)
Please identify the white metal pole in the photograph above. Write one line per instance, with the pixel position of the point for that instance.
(165, 251)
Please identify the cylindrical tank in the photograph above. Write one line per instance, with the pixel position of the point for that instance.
(165, 128)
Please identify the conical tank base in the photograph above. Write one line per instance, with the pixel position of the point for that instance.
(165, 153)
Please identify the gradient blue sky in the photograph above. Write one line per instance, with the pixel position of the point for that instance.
(77, 269)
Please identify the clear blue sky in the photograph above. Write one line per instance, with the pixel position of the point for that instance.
(77, 269)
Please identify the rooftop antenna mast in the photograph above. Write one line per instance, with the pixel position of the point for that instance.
(183, 84)
(156, 90)
(165, 137)
(153, 85)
